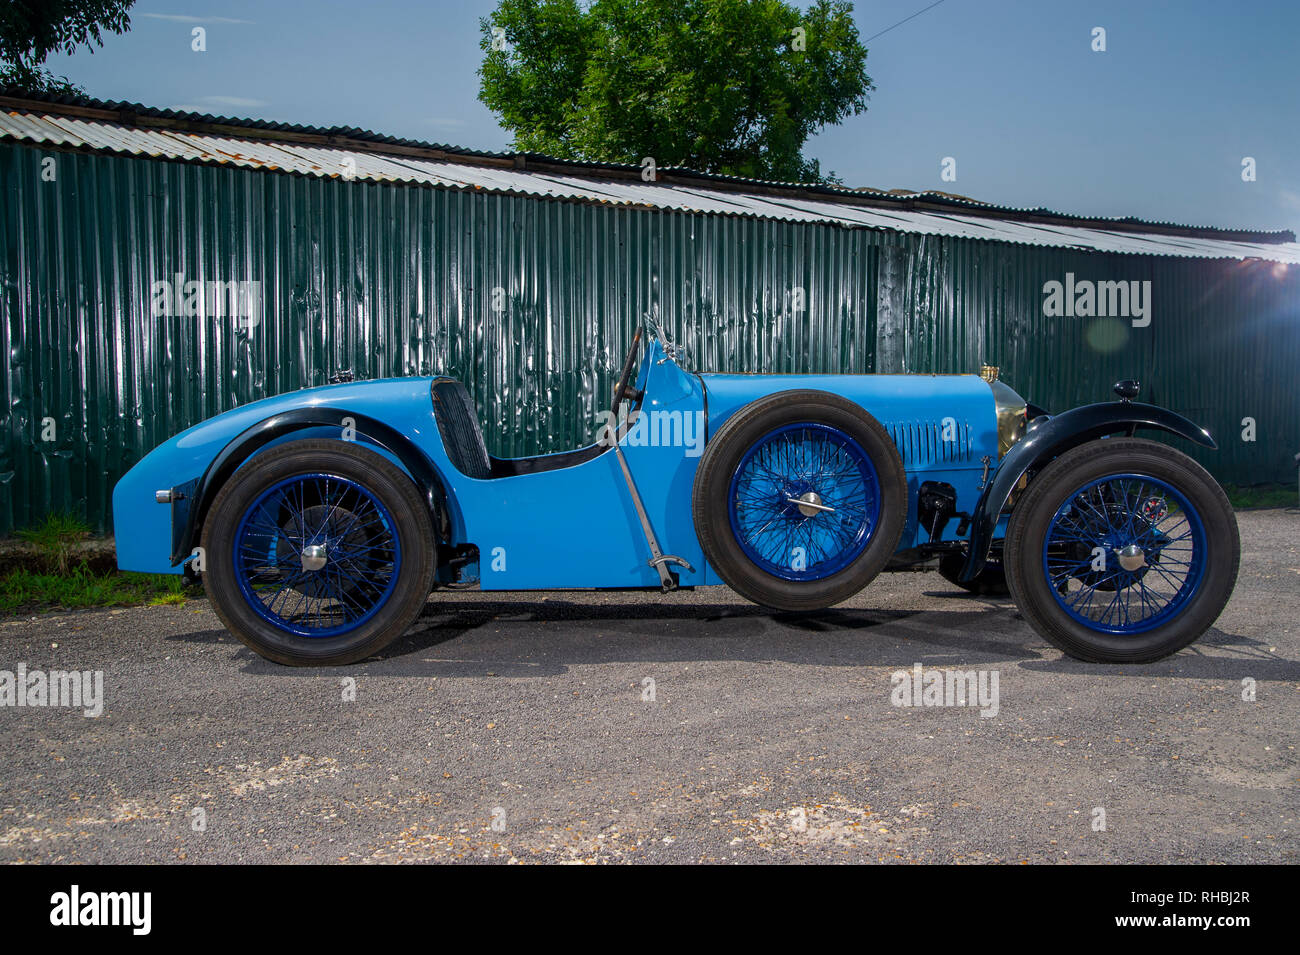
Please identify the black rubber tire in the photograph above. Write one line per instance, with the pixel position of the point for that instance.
(1022, 552)
(709, 504)
(989, 582)
(379, 476)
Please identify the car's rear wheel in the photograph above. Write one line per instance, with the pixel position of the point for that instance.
(1122, 551)
(318, 553)
(800, 500)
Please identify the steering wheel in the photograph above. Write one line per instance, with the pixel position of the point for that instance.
(621, 390)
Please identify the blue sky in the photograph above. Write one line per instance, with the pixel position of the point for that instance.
(1155, 127)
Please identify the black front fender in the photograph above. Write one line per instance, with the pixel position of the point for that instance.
(1050, 439)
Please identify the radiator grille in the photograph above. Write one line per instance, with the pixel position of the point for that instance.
(928, 443)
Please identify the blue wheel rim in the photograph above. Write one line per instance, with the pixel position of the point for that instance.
(360, 572)
(804, 543)
(1085, 557)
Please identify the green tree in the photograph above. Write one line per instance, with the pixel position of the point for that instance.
(31, 30)
(724, 86)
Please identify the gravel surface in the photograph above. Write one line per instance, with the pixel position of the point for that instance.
(515, 728)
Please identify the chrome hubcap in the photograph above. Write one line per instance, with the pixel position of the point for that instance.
(1132, 557)
(811, 504)
(314, 556)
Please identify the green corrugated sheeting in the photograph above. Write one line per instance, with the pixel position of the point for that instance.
(531, 302)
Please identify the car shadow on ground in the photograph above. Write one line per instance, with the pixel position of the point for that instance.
(544, 637)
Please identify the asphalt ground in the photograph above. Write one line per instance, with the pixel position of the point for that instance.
(522, 727)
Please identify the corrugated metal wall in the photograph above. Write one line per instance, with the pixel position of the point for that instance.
(401, 280)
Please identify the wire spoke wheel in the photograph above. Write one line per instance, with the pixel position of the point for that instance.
(1122, 550)
(317, 555)
(804, 501)
(799, 500)
(1125, 553)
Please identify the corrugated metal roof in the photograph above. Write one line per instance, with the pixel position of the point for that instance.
(62, 103)
(325, 161)
(134, 115)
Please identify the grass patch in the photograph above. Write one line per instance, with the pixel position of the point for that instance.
(54, 537)
(81, 587)
(168, 597)
(53, 578)
(1262, 495)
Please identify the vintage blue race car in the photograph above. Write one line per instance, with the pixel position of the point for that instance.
(321, 520)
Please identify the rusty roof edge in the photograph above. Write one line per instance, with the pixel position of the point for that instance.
(146, 117)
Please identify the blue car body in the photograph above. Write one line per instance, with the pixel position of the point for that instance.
(320, 520)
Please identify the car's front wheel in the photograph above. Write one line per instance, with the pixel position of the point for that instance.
(318, 553)
(1122, 551)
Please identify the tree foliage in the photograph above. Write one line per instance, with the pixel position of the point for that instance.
(725, 86)
(31, 30)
